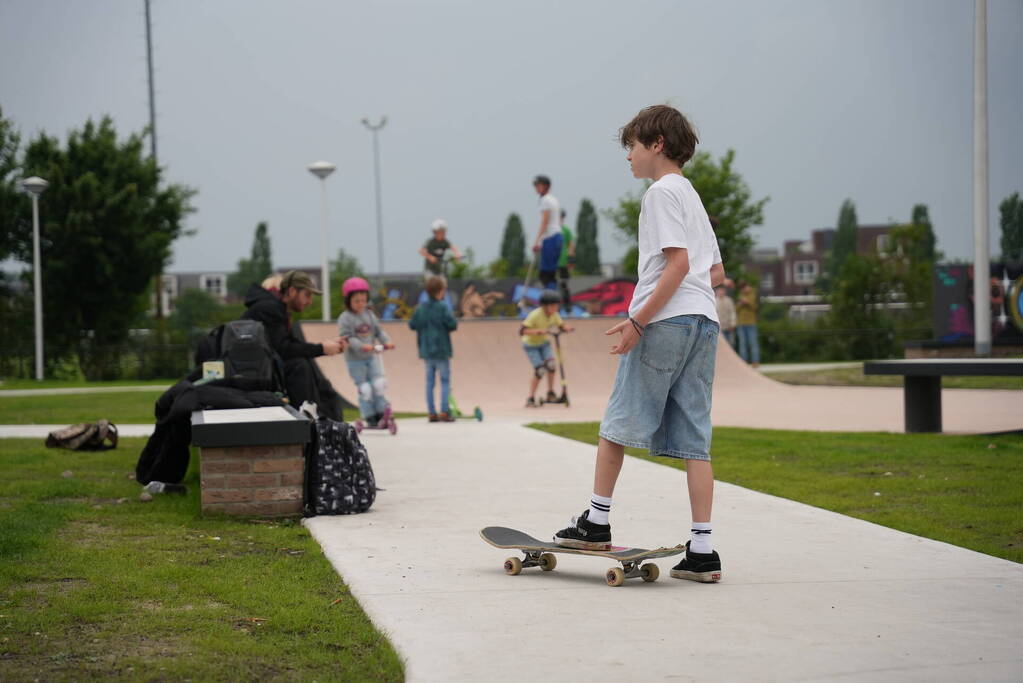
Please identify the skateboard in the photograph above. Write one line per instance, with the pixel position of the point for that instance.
(540, 554)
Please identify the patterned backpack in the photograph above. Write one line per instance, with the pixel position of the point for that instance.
(339, 478)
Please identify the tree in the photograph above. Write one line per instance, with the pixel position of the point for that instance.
(587, 252)
(926, 248)
(255, 268)
(1011, 211)
(15, 208)
(513, 244)
(842, 247)
(107, 226)
(860, 291)
(727, 198)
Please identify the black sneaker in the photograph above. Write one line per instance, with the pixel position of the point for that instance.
(373, 420)
(584, 534)
(703, 567)
(530, 402)
(551, 397)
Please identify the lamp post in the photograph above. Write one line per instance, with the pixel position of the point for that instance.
(375, 128)
(36, 186)
(322, 169)
(981, 255)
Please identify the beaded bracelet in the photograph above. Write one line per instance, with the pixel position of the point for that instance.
(639, 328)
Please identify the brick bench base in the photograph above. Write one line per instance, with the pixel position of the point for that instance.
(255, 481)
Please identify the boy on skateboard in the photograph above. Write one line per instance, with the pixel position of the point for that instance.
(535, 330)
(662, 392)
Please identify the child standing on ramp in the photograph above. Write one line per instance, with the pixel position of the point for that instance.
(362, 328)
(535, 330)
(662, 392)
(433, 322)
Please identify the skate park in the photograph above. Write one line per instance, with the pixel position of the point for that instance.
(332, 141)
(869, 603)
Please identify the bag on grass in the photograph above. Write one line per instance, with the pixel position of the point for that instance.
(339, 478)
(87, 436)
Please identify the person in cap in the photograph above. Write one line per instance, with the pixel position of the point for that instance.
(303, 379)
(434, 250)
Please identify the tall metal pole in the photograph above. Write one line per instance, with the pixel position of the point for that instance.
(322, 169)
(374, 128)
(37, 278)
(324, 272)
(36, 186)
(152, 95)
(981, 254)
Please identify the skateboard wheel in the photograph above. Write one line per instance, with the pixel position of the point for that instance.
(513, 566)
(615, 576)
(548, 562)
(649, 572)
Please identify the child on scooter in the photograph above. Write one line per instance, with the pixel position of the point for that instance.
(362, 328)
(535, 330)
(433, 323)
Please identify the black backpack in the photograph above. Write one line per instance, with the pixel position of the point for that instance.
(249, 361)
(339, 479)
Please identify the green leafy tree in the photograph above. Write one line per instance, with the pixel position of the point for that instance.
(1011, 220)
(341, 268)
(727, 198)
(587, 252)
(195, 312)
(925, 250)
(15, 211)
(625, 218)
(255, 268)
(513, 244)
(842, 248)
(467, 268)
(860, 291)
(107, 223)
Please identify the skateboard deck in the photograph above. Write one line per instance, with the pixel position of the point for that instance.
(539, 553)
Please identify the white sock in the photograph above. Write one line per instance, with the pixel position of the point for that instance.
(700, 542)
(600, 508)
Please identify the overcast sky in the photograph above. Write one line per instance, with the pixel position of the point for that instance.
(822, 100)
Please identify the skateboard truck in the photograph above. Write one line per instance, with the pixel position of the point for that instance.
(615, 576)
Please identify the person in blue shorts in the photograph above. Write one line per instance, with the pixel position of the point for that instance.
(662, 392)
(548, 238)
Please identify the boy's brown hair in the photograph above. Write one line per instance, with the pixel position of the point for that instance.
(661, 122)
(435, 287)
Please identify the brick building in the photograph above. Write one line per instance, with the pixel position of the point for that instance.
(794, 271)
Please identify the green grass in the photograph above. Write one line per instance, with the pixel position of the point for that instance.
(95, 584)
(129, 407)
(964, 490)
(75, 384)
(854, 377)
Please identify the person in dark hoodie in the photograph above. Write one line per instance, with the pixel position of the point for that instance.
(302, 377)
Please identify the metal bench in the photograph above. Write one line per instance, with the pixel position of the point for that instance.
(922, 383)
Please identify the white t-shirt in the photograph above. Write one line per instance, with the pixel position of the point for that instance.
(672, 215)
(549, 202)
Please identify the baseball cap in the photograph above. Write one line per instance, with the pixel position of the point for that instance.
(298, 279)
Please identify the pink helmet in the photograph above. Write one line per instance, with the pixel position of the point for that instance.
(354, 284)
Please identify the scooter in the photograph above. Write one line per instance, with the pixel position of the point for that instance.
(387, 420)
(454, 412)
(561, 371)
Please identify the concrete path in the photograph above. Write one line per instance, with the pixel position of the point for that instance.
(807, 595)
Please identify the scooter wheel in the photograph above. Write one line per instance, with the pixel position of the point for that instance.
(359, 426)
(478, 414)
(392, 427)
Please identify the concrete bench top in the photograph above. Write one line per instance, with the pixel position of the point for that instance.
(266, 426)
(936, 367)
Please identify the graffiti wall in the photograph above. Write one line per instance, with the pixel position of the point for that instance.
(954, 305)
(396, 299)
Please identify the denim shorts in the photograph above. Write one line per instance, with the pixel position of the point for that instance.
(538, 354)
(662, 391)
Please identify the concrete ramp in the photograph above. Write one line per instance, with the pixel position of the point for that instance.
(489, 369)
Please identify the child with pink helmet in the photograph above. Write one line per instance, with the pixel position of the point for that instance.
(362, 328)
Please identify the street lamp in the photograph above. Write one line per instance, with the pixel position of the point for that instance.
(322, 169)
(374, 128)
(36, 186)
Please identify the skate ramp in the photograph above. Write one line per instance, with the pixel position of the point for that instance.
(490, 370)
